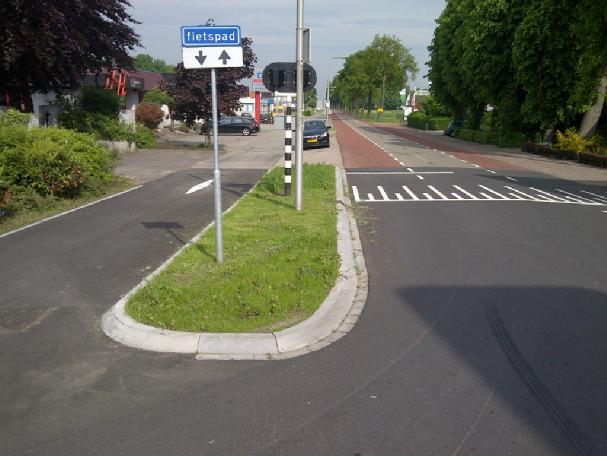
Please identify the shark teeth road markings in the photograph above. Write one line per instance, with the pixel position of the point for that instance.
(199, 187)
(505, 193)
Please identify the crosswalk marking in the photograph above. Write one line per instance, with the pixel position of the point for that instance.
(437, 192)
(558, 198)
(383, 193)
(529, 197)
(492, 191)
(410, 193)
(433, 193)
(470, 195)
(595, 195)
(571, 194)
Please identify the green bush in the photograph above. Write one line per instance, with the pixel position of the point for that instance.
(465, 134)
(12, 117)
(592, 159)
(514, 140)
(307, 113)
(489, 137)
(50, 161)
(438, 123)
(417, 120)
(99, 101)
(484, 137)
(144, 137)
(100, 126)
(158, 96)
(422, 122)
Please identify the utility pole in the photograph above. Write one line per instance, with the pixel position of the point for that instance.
(300, 102)
(328, 91)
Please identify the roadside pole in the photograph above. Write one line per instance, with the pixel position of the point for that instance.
(216, 173)
(211, 47)
(288, 149)
(300, 103)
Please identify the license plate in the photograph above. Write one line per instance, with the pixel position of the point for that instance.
(312, 140)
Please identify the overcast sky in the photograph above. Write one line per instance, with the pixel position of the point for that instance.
(339, 27)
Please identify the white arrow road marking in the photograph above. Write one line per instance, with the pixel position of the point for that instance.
(198, 187)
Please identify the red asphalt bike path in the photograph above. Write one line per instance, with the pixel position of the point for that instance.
(478, 158)
(359, 152)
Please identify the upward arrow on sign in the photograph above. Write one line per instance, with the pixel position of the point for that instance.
(225, 57)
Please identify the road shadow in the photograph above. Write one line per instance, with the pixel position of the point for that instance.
(552, 339)
(169, 227)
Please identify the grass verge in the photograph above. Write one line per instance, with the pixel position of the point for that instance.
(279, 264)
(44, 207)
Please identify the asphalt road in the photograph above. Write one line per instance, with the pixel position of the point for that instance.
(484, 330)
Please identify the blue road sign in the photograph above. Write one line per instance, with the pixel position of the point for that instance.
(207, 36)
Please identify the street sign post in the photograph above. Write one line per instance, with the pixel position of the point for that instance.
(213, 47)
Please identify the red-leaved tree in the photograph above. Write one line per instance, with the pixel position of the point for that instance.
(192, 88)
(50, 45)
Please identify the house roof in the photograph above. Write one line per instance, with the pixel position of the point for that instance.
(151, 80)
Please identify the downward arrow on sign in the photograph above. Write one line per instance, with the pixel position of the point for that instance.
(225, 57)
(201, 58)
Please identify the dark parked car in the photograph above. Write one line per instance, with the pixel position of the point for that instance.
(235, 124)
(453, 126)
(315, 134)
(266, 118)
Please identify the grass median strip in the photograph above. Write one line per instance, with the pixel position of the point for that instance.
(279, 264)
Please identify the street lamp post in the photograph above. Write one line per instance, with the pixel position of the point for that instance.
(328, 91)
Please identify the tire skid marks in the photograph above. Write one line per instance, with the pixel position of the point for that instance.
(458, 193)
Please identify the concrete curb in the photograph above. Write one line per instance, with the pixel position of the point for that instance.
(336, 316)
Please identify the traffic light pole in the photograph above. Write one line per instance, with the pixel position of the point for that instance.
(300, 103)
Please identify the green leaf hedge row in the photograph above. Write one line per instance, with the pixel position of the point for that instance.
(422, 122)
(547, 150)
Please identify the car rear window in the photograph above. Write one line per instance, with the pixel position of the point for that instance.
(313, 125)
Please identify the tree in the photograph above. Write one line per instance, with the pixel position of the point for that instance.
(540, 64)
(51, 45)
(545, 62)
(383, 67)
(158, 96)
(192, 89)
(311, 99)
(592, 68)
(390, 65)
(148, 63)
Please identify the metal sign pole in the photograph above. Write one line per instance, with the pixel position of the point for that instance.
(216, 173)
(300, 103)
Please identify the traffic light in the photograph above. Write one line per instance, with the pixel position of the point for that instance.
(282, 77)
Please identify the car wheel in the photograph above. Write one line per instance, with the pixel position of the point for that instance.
(246, 132)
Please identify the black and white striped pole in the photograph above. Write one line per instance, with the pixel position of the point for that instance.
(288, 149)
